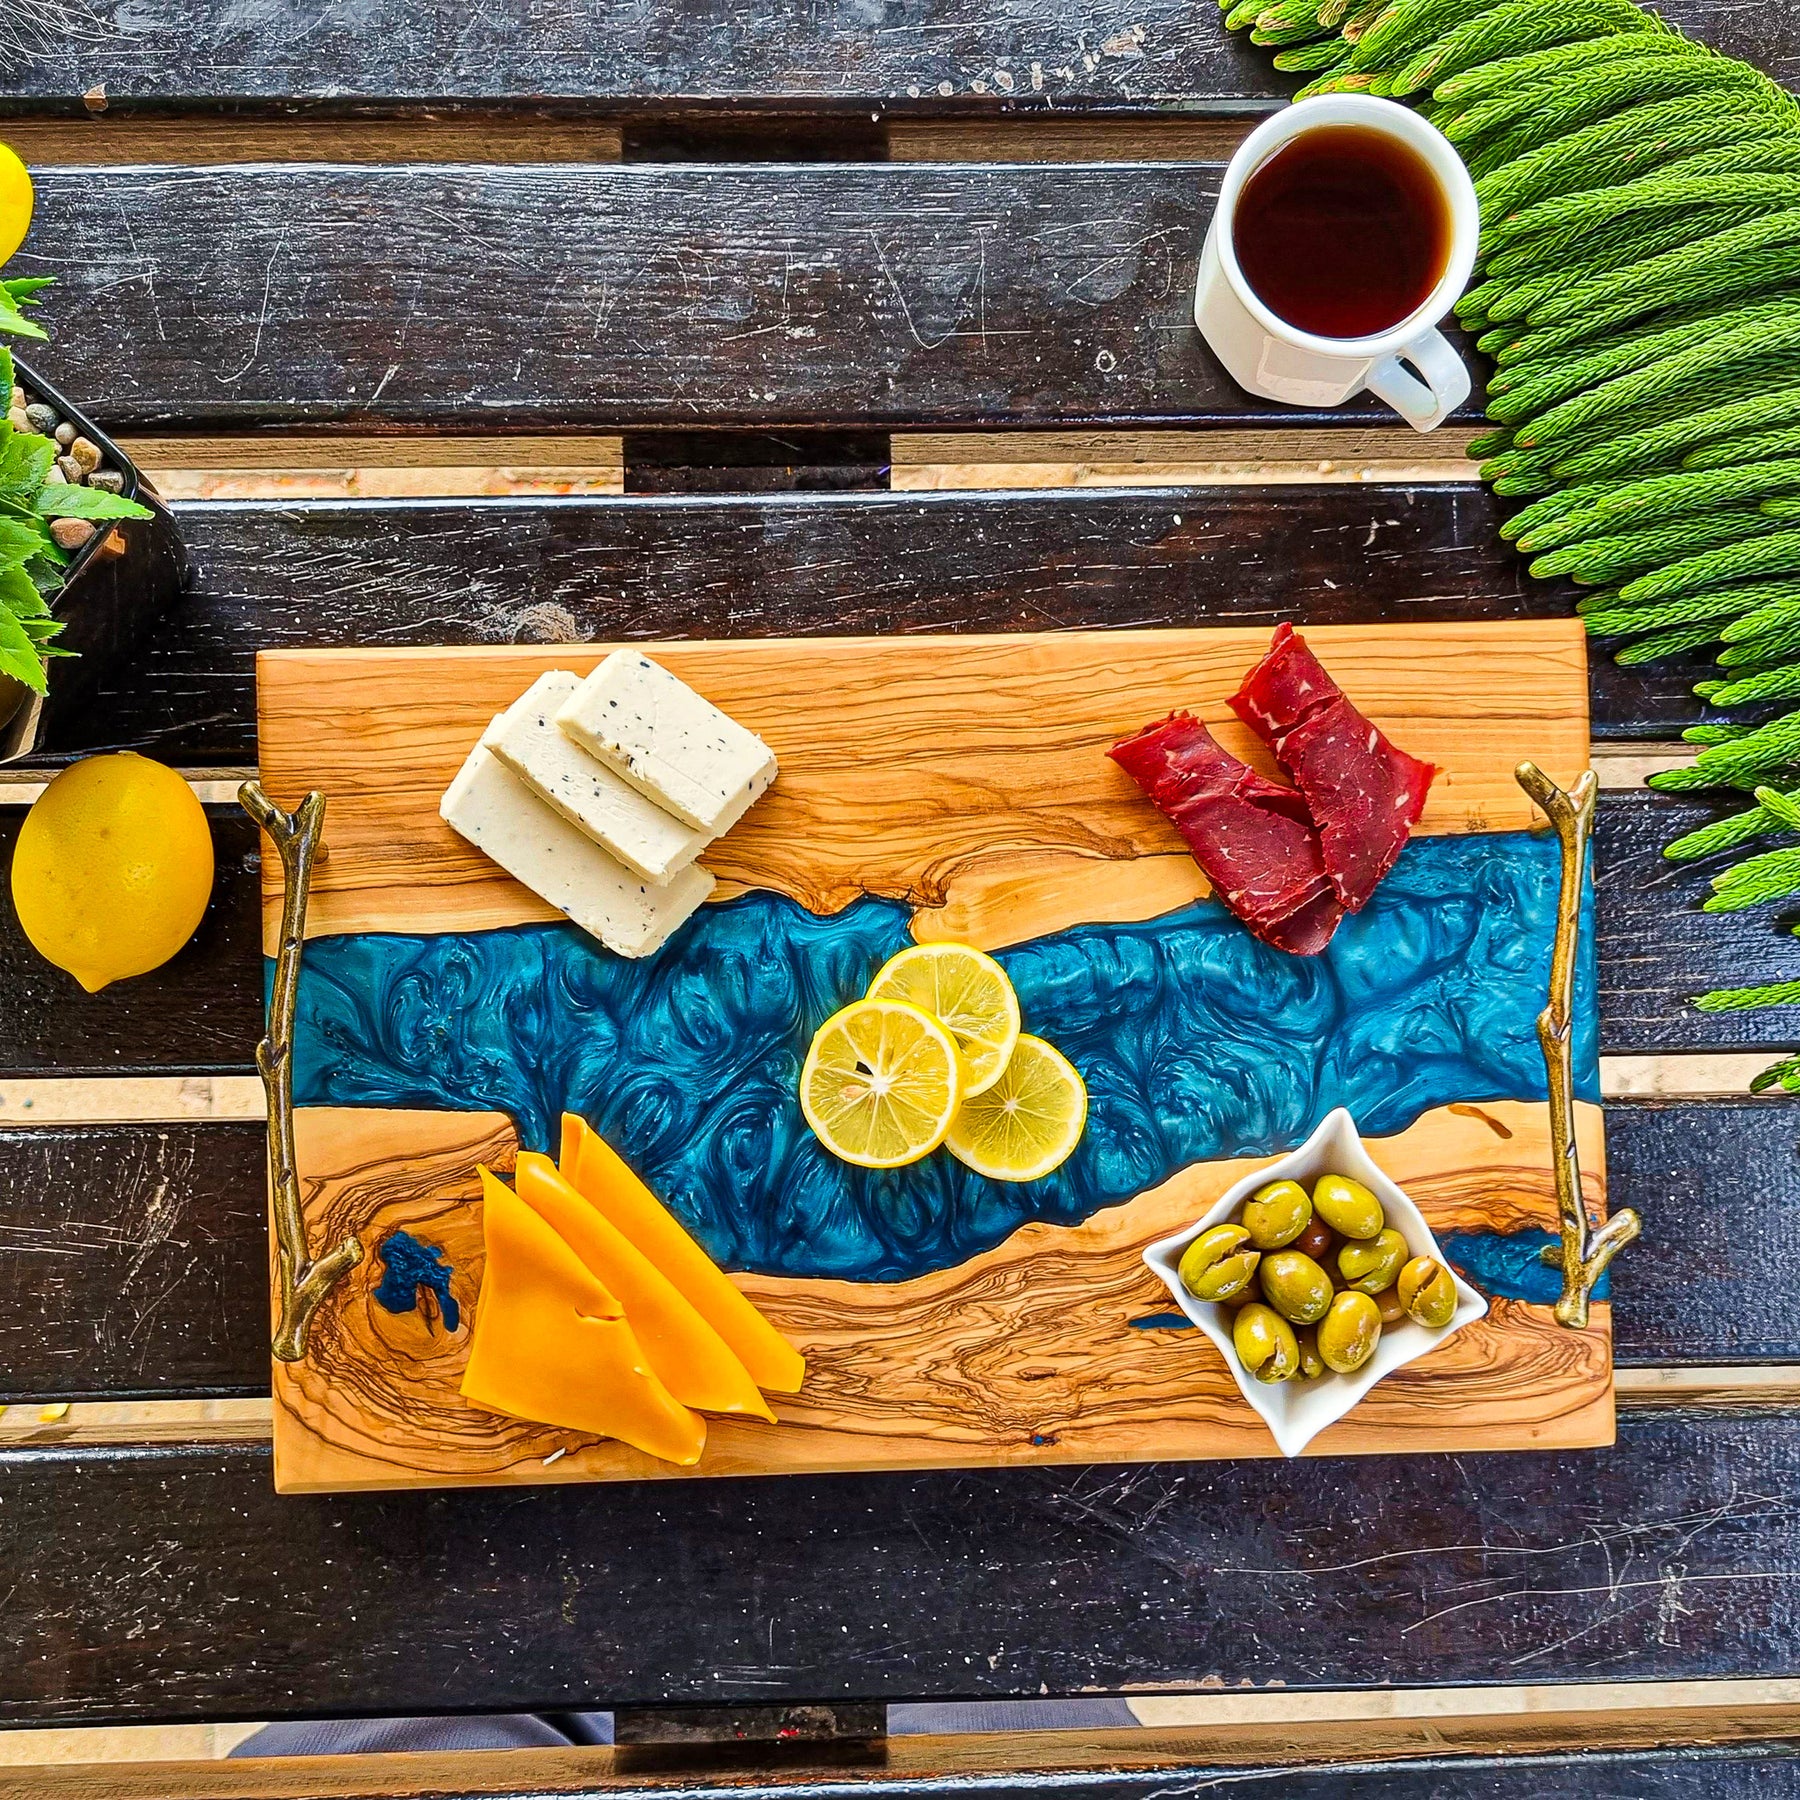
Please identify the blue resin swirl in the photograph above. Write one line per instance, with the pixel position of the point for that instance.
(1196, 1042)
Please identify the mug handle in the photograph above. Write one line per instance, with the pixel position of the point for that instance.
(1426, 404)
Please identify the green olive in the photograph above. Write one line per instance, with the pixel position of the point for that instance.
(1296, 1286)
(1312, 1364)
(1216, 1265)
(1348, 1206)
(1349, 1332)
(1371, 1264)
(1277, 1214)
(1266, 1344)
(1426, 1290)
(1387, 1303)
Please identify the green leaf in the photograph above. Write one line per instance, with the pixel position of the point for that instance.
(19, 655)
(25, 459)
(7, 377)
(11, 319)
(22, 287)
(19, 594)
(22, 539)
(65, 502)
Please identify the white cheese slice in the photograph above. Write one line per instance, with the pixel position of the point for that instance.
(668, 742)
(490, 806)
(584, 790)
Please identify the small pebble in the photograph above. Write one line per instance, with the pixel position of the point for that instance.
(43, 418)
(108, 481)
(86, 452)
(54, 477)
(114, 544)
(18, 395)
(65, 434)
(72, 471)
(71, 534)
(17, 420)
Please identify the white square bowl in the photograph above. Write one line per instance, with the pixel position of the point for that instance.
(1295, 1411)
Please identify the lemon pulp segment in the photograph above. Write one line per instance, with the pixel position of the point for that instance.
(967, 992)
(1028, 1122)
(881, 1083)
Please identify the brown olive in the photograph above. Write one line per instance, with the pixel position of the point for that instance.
(1312, 1365)
(1387, 1303)
(1318, 1240)
(1266, 1344)
(1348, 1206)
(1370, 1264)
(1296, 1286)
(1349, 1332)
(1216, 1265)
(1276, 1214)
(1427, 1291)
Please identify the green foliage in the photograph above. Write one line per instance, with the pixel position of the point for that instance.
(1639, 289)
(30, 562)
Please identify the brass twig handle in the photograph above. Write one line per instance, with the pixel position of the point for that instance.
(299, 838)
(1583, 1252)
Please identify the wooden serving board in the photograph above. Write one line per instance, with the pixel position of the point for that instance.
(967, 777)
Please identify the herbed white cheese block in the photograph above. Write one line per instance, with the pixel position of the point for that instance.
(647, 840)
(490, 806)
(668, 742)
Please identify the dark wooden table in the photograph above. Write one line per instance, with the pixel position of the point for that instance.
(771, 269)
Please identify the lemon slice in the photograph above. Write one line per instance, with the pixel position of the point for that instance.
(1028, 1122)
(966, 991)
(881, 1083)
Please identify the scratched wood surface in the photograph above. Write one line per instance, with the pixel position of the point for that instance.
(773, 295)
(667, 58)
(1024, 1354)
(570, 571)
(175, 1583)
(98, 1222)
(1375, 1762)
(964, 773)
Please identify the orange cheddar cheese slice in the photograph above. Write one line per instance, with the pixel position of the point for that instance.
(552, 1345)
(693, 1362)
(602, 1177)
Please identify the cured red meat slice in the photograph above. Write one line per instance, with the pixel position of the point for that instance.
(1252, 837)
(1364, 793)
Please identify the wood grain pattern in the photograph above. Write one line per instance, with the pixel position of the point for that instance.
(1013, 57)
(774, 295)
(1669, 1556)
(1025, 1354)
(998, 743)
(330, 575)
(83, 1253)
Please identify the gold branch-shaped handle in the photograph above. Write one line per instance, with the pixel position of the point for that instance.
(299, 838)
(1584, 1251)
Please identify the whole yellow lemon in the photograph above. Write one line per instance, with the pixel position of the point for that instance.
(113, 868)
(15, 203)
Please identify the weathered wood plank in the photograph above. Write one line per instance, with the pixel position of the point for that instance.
(1669, 1556)
(200, 1014)
(521, 55)
(563, 297)
(337, 574)
(1658, 949)
(1118, 1764)
(130, 1261)
(132, 1257)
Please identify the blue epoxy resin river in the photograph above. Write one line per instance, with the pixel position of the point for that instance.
(1196, 1042)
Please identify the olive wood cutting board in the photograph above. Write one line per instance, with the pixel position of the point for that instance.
(965, 777)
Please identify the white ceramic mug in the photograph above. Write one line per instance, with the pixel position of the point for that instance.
(1267, 355)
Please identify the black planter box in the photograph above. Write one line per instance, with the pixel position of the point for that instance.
(107, 603)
